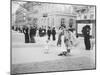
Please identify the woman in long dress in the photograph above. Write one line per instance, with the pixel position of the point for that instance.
(66, 42)
(59, 42)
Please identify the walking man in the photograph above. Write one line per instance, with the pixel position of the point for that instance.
(53, 34)
(32, 34)
(26, 32)
(49, 33)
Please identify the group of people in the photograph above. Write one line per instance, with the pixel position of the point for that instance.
(31, 31)
(16, 28)
(69, 38)
(65, 35)
(50, 31)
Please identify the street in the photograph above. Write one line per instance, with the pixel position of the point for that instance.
(32, 57)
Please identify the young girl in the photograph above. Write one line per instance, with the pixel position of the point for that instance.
(47, 47)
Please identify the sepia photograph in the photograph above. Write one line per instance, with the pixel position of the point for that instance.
(52, 37)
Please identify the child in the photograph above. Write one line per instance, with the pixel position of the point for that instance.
(47, 47)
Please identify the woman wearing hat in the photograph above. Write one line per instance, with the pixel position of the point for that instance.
(67, 42)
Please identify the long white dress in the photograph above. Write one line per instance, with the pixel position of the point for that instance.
(63, 48)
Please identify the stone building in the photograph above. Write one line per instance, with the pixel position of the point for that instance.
(85, 16)
(44, 14)
(50, 14)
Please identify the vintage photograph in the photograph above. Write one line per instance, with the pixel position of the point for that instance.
(52, 37)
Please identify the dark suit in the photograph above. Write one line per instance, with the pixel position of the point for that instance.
(32, 35)
(49, 33)
(53, 34)
(26, 35)
(86, 34)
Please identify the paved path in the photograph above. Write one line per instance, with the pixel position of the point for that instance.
(32, 57)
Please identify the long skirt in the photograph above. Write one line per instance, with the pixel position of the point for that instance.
(67, 43)
(87, 43)
(59, 40)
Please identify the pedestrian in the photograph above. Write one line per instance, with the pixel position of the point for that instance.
(59, 36)
(44, 29)
(37, 32)
(32, 34)
(40, 31)
(49, 33)
(47, 47)
(67, 42)
(12, 27)
(53, 34)
(26, 33)
(43, 32)
(86, 34)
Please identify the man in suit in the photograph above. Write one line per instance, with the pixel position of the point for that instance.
(86, 34)
(32, 34)
(26, 32)
(49, 33)
(53, 34)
